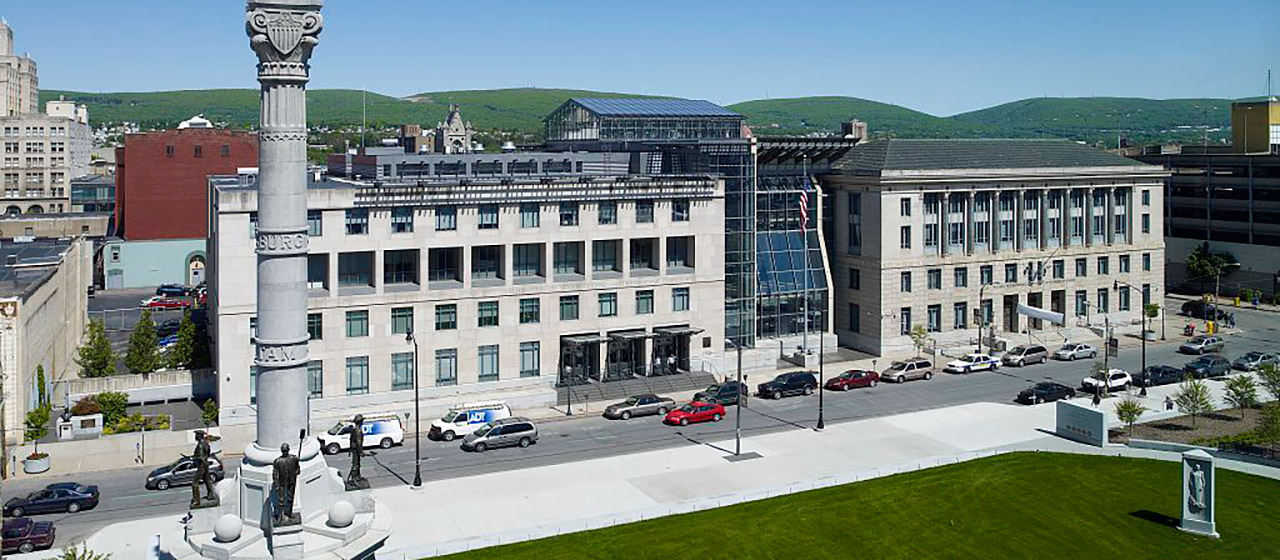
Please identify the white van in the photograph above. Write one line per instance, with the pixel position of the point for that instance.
(380, 430)
(461, 421)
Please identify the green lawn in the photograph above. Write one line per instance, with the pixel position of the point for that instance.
(1026, 505)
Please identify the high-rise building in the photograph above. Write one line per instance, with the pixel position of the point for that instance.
(42, 153)
(19, 85)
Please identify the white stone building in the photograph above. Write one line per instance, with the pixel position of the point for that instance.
(940, 233)
(42, 154)
(508, 284)
(19, 83)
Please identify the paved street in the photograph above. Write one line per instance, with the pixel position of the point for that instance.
(583, 437)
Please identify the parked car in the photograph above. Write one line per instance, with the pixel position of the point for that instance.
(853, 379)
(1255, 360)
(1159, 375)
(380, 430)
(1202, 344)
(168, 327)
(63, 496)
(158, 302)
(167, 341)
(727, 393)
(790, 383)
(1210, 365)
(463, 420)
(1045, 391)
(171, 290)
(639, 405)
(1200, 310)
(181, 472)
(971, 363)
(908, 370)
(1071, 351)
(695, 411)
(1023, 355)
(1117, 380)
(502, 433)
(25, 535)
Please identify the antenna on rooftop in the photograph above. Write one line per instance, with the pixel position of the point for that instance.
(364, 114)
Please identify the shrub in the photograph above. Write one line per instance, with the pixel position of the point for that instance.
(143, 355)
(82, 552)
(1241, 392)
(137, 422)
(113, 405)
(1128, 410)
(85, 406)
(36, 427)
(209, 413)
(95, 357)
(1269, 378)
(1193, 399)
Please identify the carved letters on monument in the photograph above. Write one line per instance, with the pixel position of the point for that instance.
(287, 243)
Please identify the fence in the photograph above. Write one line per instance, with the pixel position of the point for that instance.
(125, 319)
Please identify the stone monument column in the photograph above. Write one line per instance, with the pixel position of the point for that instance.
(282, 33)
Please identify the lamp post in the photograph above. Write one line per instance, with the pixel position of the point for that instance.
(821, 380)
(1116, 286)
(737, 414)
(417, 432)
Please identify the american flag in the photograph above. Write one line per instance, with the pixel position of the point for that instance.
(804, 204)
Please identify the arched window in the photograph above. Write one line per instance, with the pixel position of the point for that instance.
(35, 209)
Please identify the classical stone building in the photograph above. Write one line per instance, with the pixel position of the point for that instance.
(949, 233)
(42, 153)
(453, 136)
(19, 84)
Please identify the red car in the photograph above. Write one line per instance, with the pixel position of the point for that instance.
(695, 412)
(24, 535)
(158, 302)
(853, 379)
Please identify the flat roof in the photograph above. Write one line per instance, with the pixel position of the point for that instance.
(631, 107)
(948, 154)
(36, 263)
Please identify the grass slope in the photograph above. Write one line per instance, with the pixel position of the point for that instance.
(824, 114)
(1028, 505)
(517, 109)
(1085, 117)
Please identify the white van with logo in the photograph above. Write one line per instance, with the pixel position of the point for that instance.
(380, 430)
(462, 420)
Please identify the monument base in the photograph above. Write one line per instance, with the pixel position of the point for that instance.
(1201, 528)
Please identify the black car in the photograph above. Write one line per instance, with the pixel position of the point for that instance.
(63, 496)
(727, 393)
(1201, 310)
(1211, 365)
(171, 290)
(1045, 391)
(1159, 375)
(168, 327)
(791, 383)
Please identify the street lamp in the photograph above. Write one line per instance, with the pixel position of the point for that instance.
(417, 432)
(821, 379)
(1116, 286)
(737, 415)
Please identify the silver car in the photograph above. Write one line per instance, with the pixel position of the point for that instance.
(1075, 351)
(181, 472)
(1202, 344)
(639, 405)
(1023, 355)
(502, 433)
(1255, 360)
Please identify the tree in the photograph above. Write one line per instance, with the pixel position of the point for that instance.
(1241, 392)
(144, 350)
(1150, 311)
(95, 357)
(920, 338)
(1203, 265)
(1269, 377)
(1268, 429)
(36, 427)
(1128, 410)
(82, 552)
(42, 393)
(182, 353)
(1193, 398)
(209, 413)
(113, 405)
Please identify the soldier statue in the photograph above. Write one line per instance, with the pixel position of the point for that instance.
(202, 478)
(354, 480)
(284, 479)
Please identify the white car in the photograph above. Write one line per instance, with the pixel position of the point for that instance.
(973, 362)
(1075, 351)
(1117, 380)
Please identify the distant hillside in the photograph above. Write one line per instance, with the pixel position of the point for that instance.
(520, 109)
(1099, 117)
(824, 114)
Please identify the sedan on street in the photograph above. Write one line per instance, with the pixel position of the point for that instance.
(63, 496)
(790, 383)
(1202, 344)
(639, 405)
(729, 392)
(1074, 351)
(971, 363)
(1159, 375)
(852, 379)
(181, 472)
(1255, 360)
(158, 302)
(1045, 391)
(695, 412)
(171, 290)
(25, 535)
(1211, 365)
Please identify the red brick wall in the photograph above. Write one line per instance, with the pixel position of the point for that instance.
(162, 196)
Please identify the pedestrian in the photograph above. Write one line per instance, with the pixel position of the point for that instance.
(1097, 397)
(1168, 403)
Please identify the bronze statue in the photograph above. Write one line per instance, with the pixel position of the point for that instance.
(284, 479)
(354, 480)
(202, 477)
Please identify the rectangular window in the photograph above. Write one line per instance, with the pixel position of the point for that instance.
(568, 308)
(961, 318)
(1122, 302)
(986, 275)
(934, 278)
(855, 279)
(855, 317)
(987, 311)
(401, 371)
(1124, 264)
(358, 375)
(905, 282)
(401, 320)
(168, 151)
(933, 316)
(1082, 268)
(604, 256)
(400, 267)
(1146, 295)
(680, 252)
(357, 324)
(487, 314)
(357, 221)
(644, 302)
(487, 356)
(1146, 262)
(199, 151)
(447, 367)
(1082, 303)
(855, 224)
(568, 213)
(402, 220)
(904, 207)
(446, 316)
(607, 213)
(530, 311)
(962, 277)
(530, 359)
(446, 218)
(226, 150)
(680, 299)
(904, 235)
(1059, 269)
(644, 212)
(1010, 273)
(1146, 197)
(527, 260)
(567, 257)
(315, 223)
(609, 305)
(1146, 223)
(315, 379)
(1104, 300)
(487, 216)
(904, 321)
(530, 215)
(1104, 265)
(680, 210)
(315, 326)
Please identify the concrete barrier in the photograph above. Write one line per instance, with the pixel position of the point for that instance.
(161, 386)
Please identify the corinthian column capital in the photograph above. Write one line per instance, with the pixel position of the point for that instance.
(282, 33)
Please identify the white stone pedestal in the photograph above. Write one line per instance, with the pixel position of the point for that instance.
(1199, 485)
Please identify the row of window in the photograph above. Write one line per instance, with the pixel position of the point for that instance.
(35, 131)
(198, 150)
(446, 217)
(35, 147)
(1031, 272)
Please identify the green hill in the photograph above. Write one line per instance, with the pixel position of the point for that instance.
(519, 109)
(1088, 118)
(824, 114)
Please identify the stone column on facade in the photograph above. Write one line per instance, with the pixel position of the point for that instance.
(1109, 211)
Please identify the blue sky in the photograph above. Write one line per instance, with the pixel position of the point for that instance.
(941, 57)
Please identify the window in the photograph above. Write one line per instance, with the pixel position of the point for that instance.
(1146, 223)
(1010, 273)
(488, 362)
(401, 320)
(961, 319)
(855, 317)
(225, 151)
(486, 262)
(607, 213)
(168, 151)
(855, 279)
(904, 235)
(680, 299)
(402, 220)
(357, 324)
(530, 359)
(986, 275)
(855, 224)
(904, 321)
(962, 277)
(604, 256)
(680, 210)
(528, 260)
(315, 224)
(1104, 265)
(1124, 264)
(1059, 269)
(904, 206)
(1146, 197)
(1104, 300)
(487, 216)
(530, 215)
(199, 151)
(1122, 302)
(644, 302)
(400, 267)
(609, 305)
(253, 223)
(253, 328)
(568, 308)
(644, 212)
(530, 311)
(680, 252)
(987, 309)
(253, 384)
(315, 379)
(447, 367)
(1146, 262)
(1082, 303)
(487, 314)
(934, 278)
(1082, 268)
(933, 318)
(567, 257)
(357, 221)
(315, 326)
(446, 218)
(1146, 295)
(905, 282)
(401, 371)
(568, 213)
(358, 375)
(446, 316)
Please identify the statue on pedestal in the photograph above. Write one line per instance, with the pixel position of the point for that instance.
(354, 480)
(284, 481)
(202, 477)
